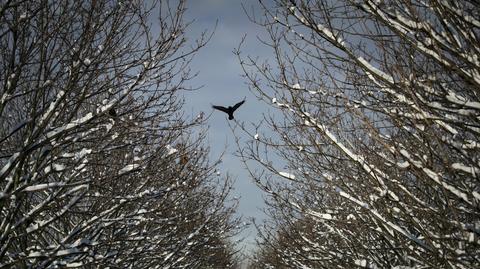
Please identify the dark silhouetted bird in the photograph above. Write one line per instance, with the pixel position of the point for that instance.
(230, 109)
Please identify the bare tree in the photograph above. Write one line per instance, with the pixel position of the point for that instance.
(378, 143)
(98, 165)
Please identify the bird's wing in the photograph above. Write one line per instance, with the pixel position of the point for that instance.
(237, 105)
(221, 108)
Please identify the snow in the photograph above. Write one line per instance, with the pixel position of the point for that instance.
(274, 100)
(304, 21)
(69, 251)
(71, 125)
(87, 61)
(256, 136)
(4, 98)
(109, 125)
(468, 169)
(370, 169)
(7, 166)
(128, 168)
(171, 150)
(459, 100)
(287, 175)
(75, 189)
(40, 187)
(33, 227)
(437, 178)
(326, 32)
(74, 265)
(58, 167)
(296, 86)
(405, 153)
(393, 196)
(169, 255)
(325, 216)
(36, 254)
(447, 186)
(388, 224)
(471, 237)
(403, 164)
(52, 106)
(375, 71)
(476, 195)
(361, 263)
(82, 153)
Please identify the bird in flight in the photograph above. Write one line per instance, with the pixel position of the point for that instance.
(230, 109)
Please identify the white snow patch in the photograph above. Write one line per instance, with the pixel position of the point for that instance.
(171, 150)
(476, 195)
(403, 165)
(74, 265)
(109, 125)
(287, 175)
(375, 70)
(9, 163)
(79, 155)
(128, 168)
(459, 100)
(296, 86)
(67, 252)
(58, 167)
(468, 169)
(168, 256)
(44, 186)
(325, 216)
(256, 136)
(362, 263)
(326, 31)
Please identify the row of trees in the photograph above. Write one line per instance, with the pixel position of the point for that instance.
(375, 162)
(98, 165)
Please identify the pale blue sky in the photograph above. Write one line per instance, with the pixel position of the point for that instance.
(220, 73)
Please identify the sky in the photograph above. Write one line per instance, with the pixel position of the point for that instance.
(220, 74)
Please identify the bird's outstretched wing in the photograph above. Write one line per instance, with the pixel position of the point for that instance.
(237, 105)
(221, 108)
